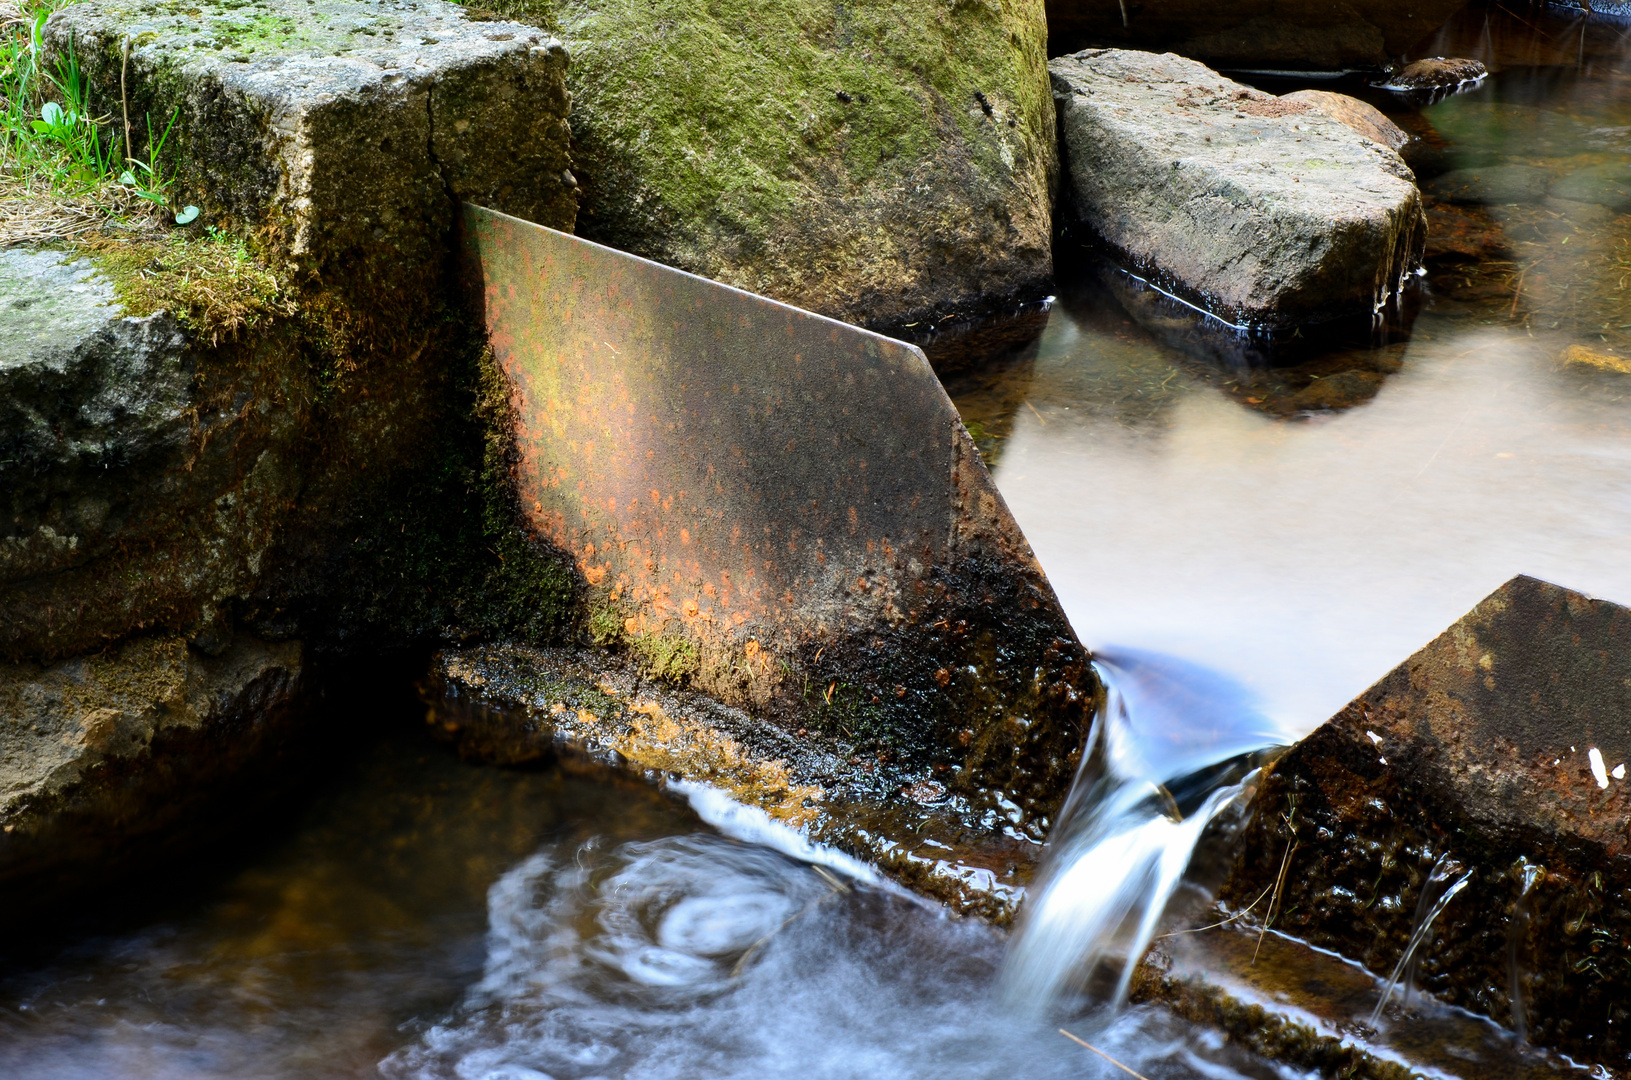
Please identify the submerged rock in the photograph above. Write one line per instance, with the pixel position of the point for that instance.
(1436, 73)
(1300, 34)
(1265, 211)
(1498, 751)
(888, 165)
(1493, 185)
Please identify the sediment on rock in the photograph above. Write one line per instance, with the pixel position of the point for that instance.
(1499, 751)
(890, 166)
(1300, 35)
(1264, 211)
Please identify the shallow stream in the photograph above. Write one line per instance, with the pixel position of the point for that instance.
(1260, 542)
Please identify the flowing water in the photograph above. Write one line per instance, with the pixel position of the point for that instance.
(430, 918)
(1301, 529)
(1245, 546)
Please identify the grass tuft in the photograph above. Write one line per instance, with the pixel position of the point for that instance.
(64, 168)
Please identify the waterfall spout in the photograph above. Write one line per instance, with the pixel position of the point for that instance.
(1168, 752)
(1517, 928)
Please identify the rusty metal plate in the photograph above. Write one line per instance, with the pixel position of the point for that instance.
(792, 497)
(707, 455)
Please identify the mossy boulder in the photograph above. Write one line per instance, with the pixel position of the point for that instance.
(886, 164)
(341, 133)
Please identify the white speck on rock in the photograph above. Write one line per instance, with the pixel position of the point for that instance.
(1375, 738)
(1597, 769)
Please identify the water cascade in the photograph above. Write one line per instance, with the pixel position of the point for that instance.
(1169, 751)
(1436, 894)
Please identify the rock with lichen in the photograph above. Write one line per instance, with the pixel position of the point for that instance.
(888, 165)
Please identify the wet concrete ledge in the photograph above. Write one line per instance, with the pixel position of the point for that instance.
(514, 704)
(1495, 757)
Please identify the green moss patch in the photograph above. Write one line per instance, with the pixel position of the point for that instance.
(208, 280)
(739, 138)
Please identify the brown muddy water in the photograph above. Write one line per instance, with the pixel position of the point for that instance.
(1249, 544)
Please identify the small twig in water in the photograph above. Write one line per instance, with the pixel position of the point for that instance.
(1225, 922)
(1279, 884)
(1036, 414)
(1102, 1054)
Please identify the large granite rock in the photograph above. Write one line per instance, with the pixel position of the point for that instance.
(341, 132)
(1499, 749)
(1264, 211)
(888, 165)
(1300, 34)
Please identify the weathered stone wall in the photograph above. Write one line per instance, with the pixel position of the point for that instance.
(327, 479)
(886, 164)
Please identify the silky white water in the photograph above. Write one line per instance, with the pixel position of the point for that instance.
(1149, 785)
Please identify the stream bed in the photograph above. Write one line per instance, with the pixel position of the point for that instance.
(424, 917)
(1284, 534)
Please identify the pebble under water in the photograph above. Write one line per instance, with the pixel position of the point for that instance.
(431, 918)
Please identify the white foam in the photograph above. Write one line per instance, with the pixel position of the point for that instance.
(752, 825)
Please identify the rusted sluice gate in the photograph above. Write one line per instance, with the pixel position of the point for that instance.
(785, 507)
